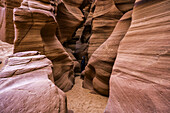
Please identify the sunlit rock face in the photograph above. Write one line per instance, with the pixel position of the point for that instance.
(69, 17)
(6, 49)
(6, 19)
(26, 85)
(140, 77)
(35, 30)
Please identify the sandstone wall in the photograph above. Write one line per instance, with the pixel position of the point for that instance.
(98, 70)
(6, 19)
(99, 67)
(140, 79)
(69, 17)
(35, 28)
(105, 17)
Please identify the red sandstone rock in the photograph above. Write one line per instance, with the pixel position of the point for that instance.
(105, 17)
(25, 85)
(6, 49)
(6, 19)
(69, 18)
(124, 5)
(140, 80)
(35, 28)
(99, 67)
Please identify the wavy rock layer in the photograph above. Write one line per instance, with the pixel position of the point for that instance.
(99, 67)
(140, 80)
(35, 28)
(6, 19)
(124, 5)
(25, 87)
(69, 17)
(105, 17)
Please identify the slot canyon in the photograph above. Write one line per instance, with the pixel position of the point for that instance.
(84, 56)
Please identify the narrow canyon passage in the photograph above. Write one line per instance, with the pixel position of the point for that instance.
(56, 54)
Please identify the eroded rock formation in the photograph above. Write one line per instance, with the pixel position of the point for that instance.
(69, 17)
(6, 19)
(35, 28)
(6, 49)
(26, 85)
(105, 17)
(99, 67)
(140, 77)
(131, 49)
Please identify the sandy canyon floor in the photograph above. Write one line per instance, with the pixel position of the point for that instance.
(81, 100)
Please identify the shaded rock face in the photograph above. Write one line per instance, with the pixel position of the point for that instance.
(124, 5)
(25, 85)
(140, 77)
(69, 17)
(99, 67)
(6, 19)
(98, 70)
(105, 17)
(35, 28)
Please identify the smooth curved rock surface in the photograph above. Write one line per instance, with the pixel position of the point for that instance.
(26, 86)
(69, 18)
(6, 19)
(99, 67)
(124, 5)
(105, 18)
(140, 80)
(35, 28)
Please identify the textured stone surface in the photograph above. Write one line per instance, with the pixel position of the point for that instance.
(6, 19)
(35, 28)
(105, 17)
(5, 50)
(82, 100)
(140, 80)
(25, 85)
(99, 67)
(69, 17)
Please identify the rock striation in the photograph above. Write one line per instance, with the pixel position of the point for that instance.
(35, 28)
(140, 76)
(98, 70)
(124, 5)
(6, 19)
(26, 85)
(69, 17)
(105, 17)
(99, 67)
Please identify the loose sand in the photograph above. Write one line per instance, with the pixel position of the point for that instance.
(80, 100)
